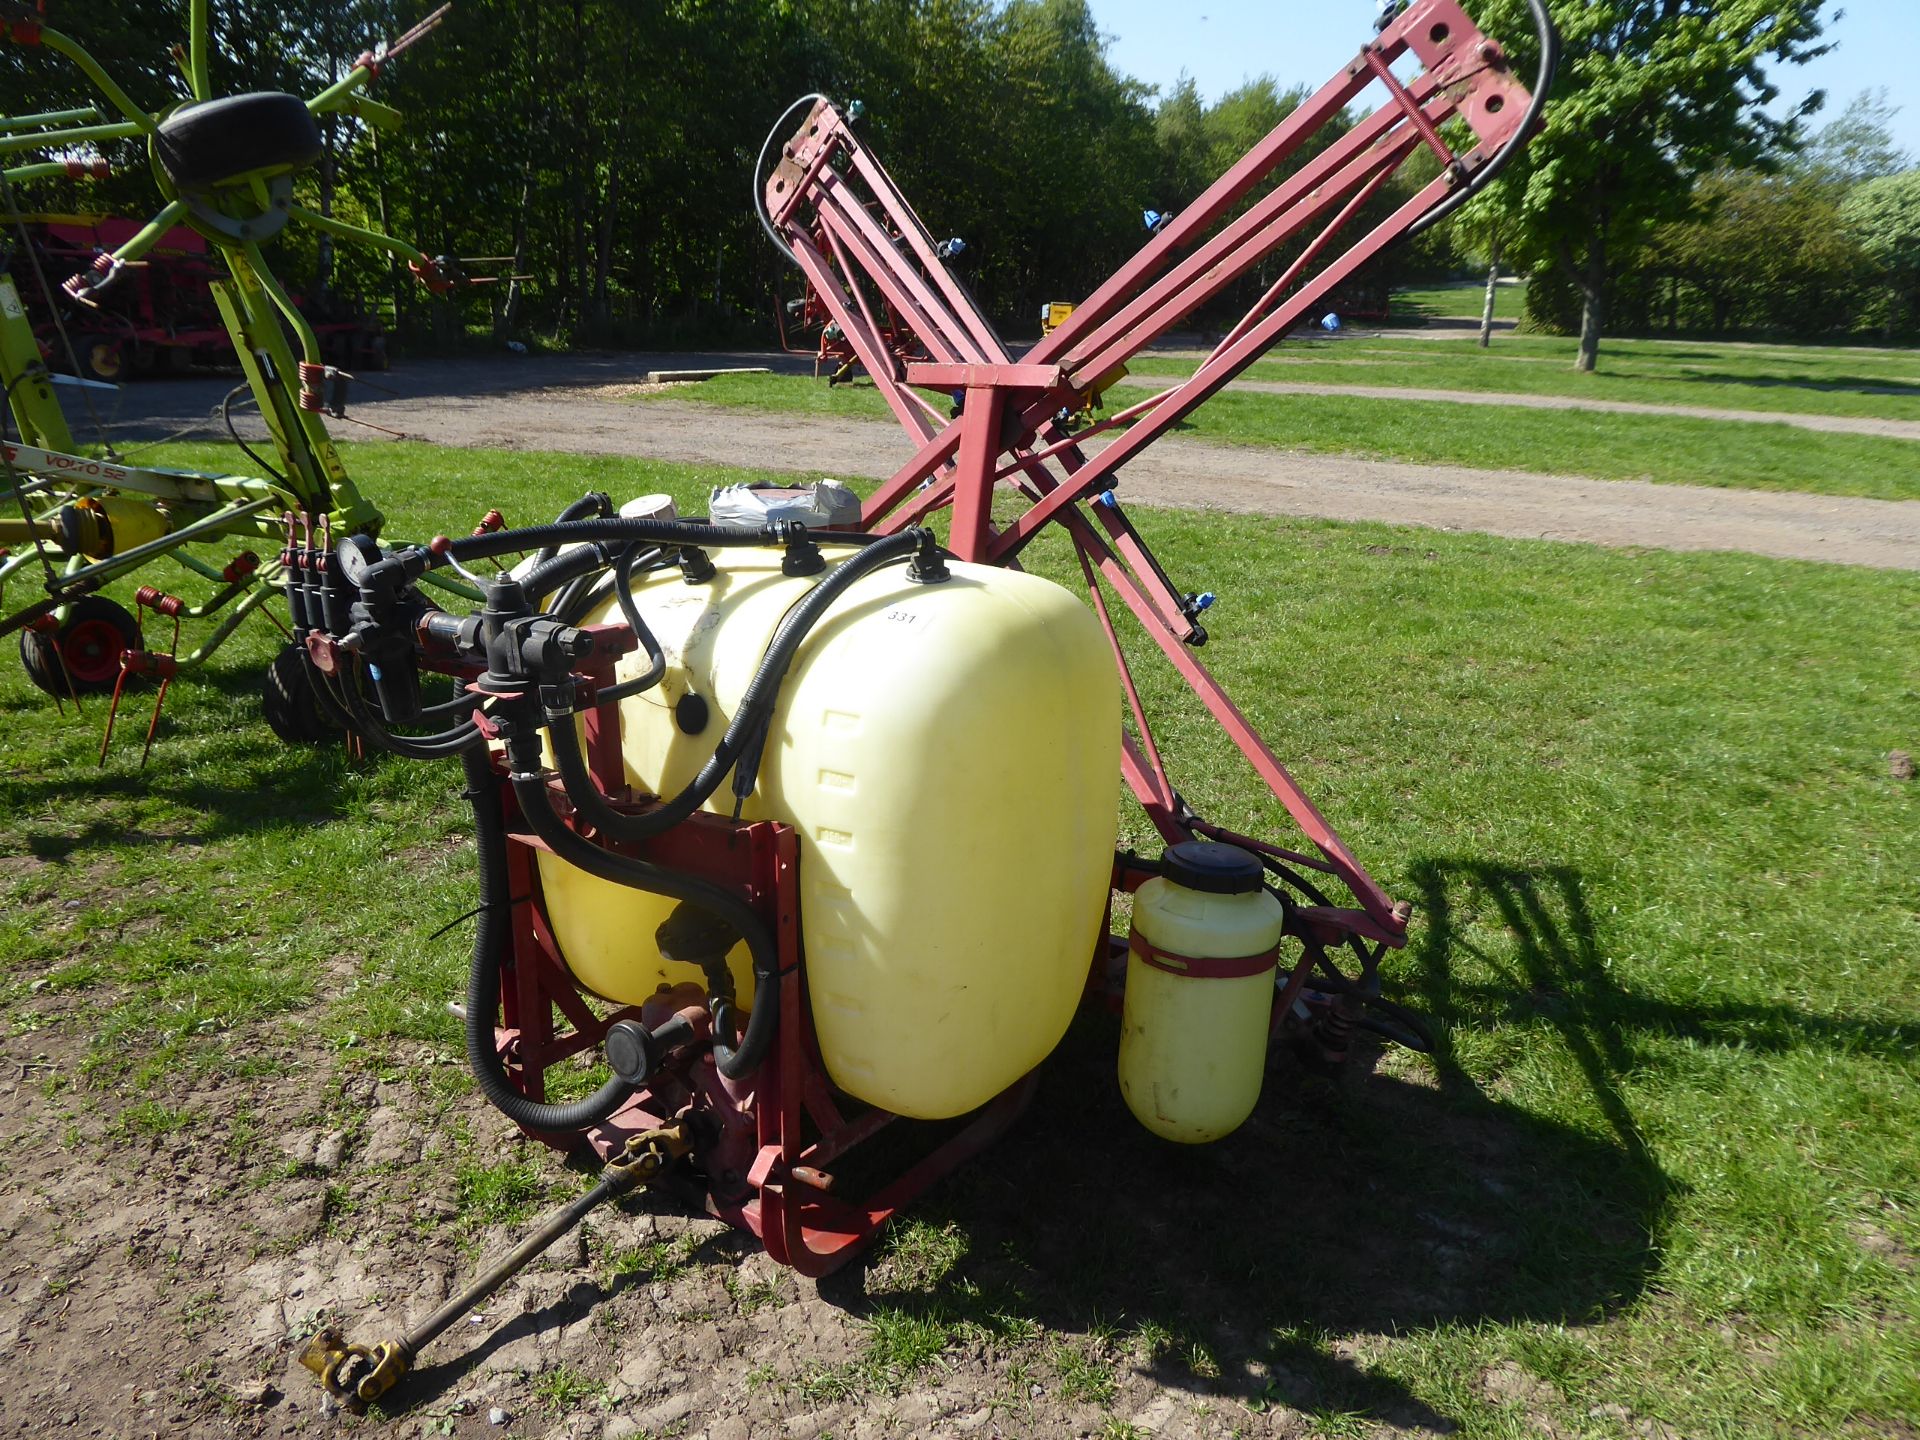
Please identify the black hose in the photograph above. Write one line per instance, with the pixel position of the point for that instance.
(549, 575)
(438, 746)
(492, 943)
(627, 529)
(536, 804)
(462, 703)
(656, 657)
(594, 502)
(1549, 39)
(1317, 896)
(749, 718)
(226, 418)
(760, 199)
(336, 708)
(1403, 1027)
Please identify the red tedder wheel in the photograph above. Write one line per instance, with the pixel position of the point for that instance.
(83, 652)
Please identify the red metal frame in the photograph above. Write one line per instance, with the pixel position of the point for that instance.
(859, 243)
(767, 1144)
(832, 349)
(162, 303)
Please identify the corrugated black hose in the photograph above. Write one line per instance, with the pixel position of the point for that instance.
(536, 804)
(492, 943)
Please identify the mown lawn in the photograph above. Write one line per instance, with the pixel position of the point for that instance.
(1678, 450)
(1664, 1170)
(1462, 301)
(1801, 380)
(1669, 450)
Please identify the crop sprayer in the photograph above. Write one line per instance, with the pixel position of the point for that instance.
(226, 168)
(804, 827)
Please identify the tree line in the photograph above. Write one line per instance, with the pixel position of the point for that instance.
(603, 148)
(1667, 190)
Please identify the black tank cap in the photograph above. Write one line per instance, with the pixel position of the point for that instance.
(1215, 869)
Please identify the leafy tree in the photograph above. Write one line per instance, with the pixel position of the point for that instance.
(1764, 251)
(1858, 145)
(1884, 216)
(1651, 95)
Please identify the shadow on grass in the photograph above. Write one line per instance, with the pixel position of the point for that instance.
(251, 785)
(1844, 384)
(1363, 1206)
(1556, 979)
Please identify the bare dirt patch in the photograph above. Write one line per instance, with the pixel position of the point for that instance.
(169, 1248)
(550, 403)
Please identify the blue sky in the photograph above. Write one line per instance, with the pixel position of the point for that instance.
(1223, 42)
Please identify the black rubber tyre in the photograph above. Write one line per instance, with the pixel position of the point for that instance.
(287, 700)
(84, 652)
(204, 145)
(37, 658)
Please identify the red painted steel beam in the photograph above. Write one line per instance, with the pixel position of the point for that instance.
(856, 235)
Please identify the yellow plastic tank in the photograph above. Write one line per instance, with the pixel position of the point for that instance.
(949, 754)
(1199, 996)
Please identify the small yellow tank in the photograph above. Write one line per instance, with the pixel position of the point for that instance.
(1199, 996)
(949, 754)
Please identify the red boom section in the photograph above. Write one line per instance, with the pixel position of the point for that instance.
(873, 263)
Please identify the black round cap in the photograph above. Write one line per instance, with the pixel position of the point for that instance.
(1215, 869)
(630, 1052)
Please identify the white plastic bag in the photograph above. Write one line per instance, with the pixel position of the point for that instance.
(826, 506)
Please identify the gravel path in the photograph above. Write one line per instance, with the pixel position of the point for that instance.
(1835, 424)
(1192, 474)
(550, 403)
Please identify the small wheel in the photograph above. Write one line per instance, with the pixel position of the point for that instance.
(288, 702)
(84, 651)
(38, 658)
(102, 358)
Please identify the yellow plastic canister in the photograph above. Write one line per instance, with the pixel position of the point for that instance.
(1199, 998)
(949, 754)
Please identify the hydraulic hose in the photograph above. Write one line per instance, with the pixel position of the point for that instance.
(492, 943)
(1549, 39)
(536, 803)
(549, 575)
(594, 502)
(626, 529)
(459, 739)
(656, 657)
(760, 164)
(750, 716)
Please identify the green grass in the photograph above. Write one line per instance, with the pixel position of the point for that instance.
(660, 1261)
(563, 1388)
(505, 1192)
(1463, 301)
(1665, 449)
(1802, 380)
(1667, 1159)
